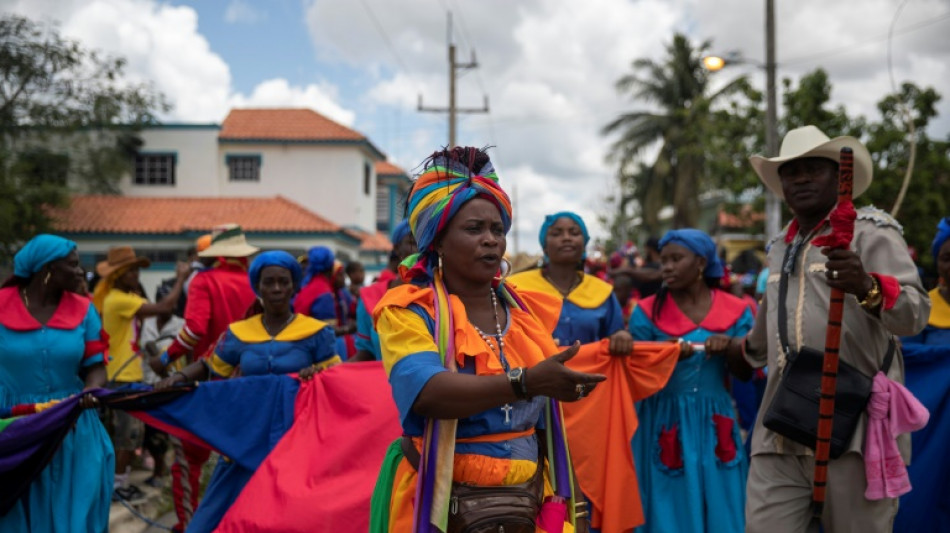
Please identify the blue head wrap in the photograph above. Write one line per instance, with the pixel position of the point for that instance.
(319, 259)
(943, 233)
(551, 219)
(41, 250)
(277, 258)
(399, 232)
(700, 244)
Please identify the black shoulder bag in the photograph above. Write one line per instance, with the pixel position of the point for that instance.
(793, 412)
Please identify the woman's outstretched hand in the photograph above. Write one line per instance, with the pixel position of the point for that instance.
(621, 343)
(552, 379)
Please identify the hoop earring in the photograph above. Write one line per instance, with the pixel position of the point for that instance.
(504, 270)
(46, 279)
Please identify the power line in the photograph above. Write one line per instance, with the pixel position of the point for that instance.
(384, 36)
(879, 38)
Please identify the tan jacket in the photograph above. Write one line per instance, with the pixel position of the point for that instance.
(864, 336)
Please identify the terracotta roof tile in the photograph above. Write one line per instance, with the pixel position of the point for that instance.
(374, 242)
(745, 219)
(125, 214)
(284, 125)
(385, 168)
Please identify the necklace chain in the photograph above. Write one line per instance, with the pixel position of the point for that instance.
(282, 326)
(564, 293)
(498, 336)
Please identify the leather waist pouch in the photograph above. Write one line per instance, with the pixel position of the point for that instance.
(479, 509)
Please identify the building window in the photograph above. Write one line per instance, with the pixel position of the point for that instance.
(244, 167)
(382, 208)
(367, 175)
(154, 169)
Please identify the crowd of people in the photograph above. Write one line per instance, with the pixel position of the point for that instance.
(481, 361)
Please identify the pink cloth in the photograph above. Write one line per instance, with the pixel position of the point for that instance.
(892, 410)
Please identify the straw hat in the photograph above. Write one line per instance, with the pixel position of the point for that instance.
(809, 141)
(227, 240)
(120, 257)
(203, 242)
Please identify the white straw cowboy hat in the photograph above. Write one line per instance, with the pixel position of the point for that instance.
(227, 240)
(809, 141)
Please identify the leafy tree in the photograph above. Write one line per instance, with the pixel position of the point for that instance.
(679, 88)
(68, 123)
(928, 195)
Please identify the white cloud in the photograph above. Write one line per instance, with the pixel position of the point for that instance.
(549, 67)
(239, 11)
(162, 46)
(279, 93)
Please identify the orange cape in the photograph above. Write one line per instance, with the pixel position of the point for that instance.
(600, 427)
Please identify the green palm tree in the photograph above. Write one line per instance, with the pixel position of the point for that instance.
(679, 126)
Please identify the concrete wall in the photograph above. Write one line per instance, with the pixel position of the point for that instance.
(196, 169)
(325, 179)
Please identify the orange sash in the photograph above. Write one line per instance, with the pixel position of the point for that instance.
(600, 427)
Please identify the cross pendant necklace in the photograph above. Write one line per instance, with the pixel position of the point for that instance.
(507, 408)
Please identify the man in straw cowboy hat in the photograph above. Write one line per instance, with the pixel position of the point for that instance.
(883, 297)
(217, 297)
(118, 298)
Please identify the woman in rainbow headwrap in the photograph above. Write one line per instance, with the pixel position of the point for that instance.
(51, 347)
(275, 341)
(927, 364)
(690, 461)
(590, 311)
(472, 365)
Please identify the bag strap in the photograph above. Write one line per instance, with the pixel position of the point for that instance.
(788, 266)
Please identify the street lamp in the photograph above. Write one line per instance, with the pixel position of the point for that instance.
(773, 208)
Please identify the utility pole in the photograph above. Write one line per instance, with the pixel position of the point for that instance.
(453, 110)
(773, 208)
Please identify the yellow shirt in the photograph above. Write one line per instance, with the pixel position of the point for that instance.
(118, 317)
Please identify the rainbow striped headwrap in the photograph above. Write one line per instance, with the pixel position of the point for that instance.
(439, 192)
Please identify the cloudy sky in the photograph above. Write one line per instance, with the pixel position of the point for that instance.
(547, 66)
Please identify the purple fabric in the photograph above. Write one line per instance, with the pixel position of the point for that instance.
(561, 472)
(26, 435)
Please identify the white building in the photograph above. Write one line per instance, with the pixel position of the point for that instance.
(324, 166)
(291, 177)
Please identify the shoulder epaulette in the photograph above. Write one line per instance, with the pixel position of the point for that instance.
(879, 217)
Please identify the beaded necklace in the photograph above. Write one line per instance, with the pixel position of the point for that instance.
(499, 345)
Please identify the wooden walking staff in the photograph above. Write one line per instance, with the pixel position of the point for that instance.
(842, 225)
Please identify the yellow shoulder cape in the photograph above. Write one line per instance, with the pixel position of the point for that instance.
(252, 330)
(939, 311)
(591, 293)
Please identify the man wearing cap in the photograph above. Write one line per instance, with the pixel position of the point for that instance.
(883, 297)
(118, 299)
(217, 297)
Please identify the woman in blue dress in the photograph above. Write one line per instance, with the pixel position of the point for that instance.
(590, 311)
(927, 367)
(275, 341)
(690, 461)
(51, 348)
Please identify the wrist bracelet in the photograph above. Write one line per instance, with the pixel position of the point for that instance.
(165, 359)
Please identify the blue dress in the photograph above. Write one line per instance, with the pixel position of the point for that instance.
(246, 344)
(927, 368)
(589, 313)
(39, 363)
(691, 464)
